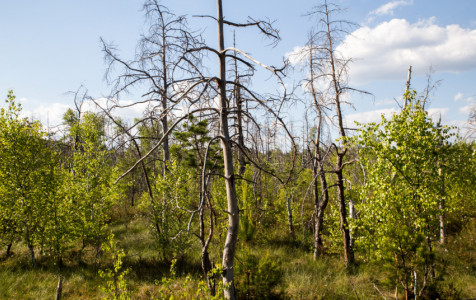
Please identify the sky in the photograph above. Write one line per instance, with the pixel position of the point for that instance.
(49, 48)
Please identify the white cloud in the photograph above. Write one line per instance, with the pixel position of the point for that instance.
(298, 56)
(47, 114)
(52, 113)
(388, 8)
(465, 129)
(386, 51)
(369, 116)
(437, 114)
(457, 123)
(458, 96)
(376, 115)
(467, 108)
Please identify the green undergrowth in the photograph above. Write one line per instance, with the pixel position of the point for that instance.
(274, 266)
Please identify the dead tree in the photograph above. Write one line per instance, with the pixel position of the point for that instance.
(232, 210)
(319, 152)
(330, 70)
(225, 114)
(192, 95)
(162, 63)
(471, 125)
(407, 87)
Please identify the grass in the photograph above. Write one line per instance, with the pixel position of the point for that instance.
(272, 266)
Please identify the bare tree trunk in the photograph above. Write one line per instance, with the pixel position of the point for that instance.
(206, 264)
(80, 252)
(320, 206)
(441, 206)
(351, 216)
(415, 283)
(241, 142)
(9, 249)
(290, 216)
(348, 251)
(232, 201)
(344, 226)
(204, 243)
(32, 253)
(165, 126)
(30, 246)
(59, 289)
(407, 86)
(317, 164)
(239, 118)
(125, 212)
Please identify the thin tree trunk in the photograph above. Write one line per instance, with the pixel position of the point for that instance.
(206, 264)
(344, 226)
(441, 206)
(348, 251)
(415, 283)
(318, 167)
(81, 251)
(125, 213)
(290, 216)
(59, 289)
(32, 253)
(165, 128)
(320, 205)
(241, 155)
(351, 216)
(407, 86)
(9, 249)
(232, 201)
(30, 246)
(239, 118)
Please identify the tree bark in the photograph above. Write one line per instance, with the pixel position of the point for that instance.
(241, 142)
(290, 216)
(348, 251)
(317, 166)
(204, 243)
(320, 206)
(30, 246)
(59, 289)
(344, 226)
(407, 86)
(441, 206)
(351, 216)
(232, 201)
(165, 126)
(9, 249)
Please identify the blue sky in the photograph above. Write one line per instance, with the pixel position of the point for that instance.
(50, 47)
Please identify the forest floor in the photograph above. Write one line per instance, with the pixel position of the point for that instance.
(271, 266)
